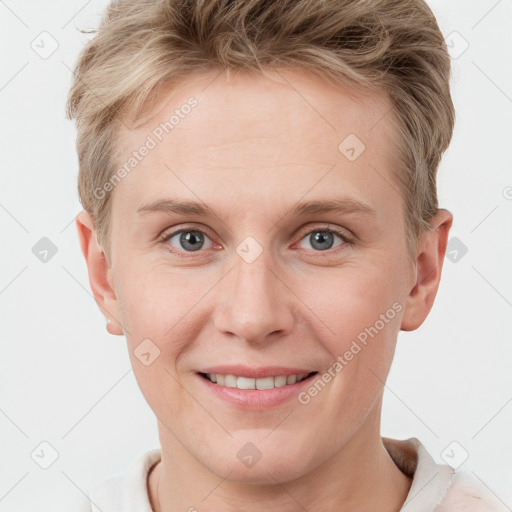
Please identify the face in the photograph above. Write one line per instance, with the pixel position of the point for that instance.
(261, 278)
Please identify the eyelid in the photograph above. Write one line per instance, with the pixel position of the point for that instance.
(344, 233)
(174, 230)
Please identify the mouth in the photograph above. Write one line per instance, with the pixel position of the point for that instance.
(262, 383)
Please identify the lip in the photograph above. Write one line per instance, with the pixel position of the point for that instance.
(256, 373)
(255, 399)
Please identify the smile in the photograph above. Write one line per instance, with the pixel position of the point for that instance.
(234, 381)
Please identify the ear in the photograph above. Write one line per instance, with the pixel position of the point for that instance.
(100, 274)
(429, 263)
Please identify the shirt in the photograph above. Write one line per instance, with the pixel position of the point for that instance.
(435, 487)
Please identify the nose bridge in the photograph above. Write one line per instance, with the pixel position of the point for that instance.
(256, 303)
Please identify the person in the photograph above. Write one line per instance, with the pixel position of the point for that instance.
(260, 222)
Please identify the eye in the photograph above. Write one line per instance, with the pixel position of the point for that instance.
(322, 239)
(186, 240)
(191, 240)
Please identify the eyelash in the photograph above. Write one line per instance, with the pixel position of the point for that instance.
(346, 239)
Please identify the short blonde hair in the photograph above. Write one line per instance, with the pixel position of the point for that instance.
(392, 46)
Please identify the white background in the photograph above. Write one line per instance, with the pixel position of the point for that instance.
(66, 381)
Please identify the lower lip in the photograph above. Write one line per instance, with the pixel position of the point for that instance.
(255, 398)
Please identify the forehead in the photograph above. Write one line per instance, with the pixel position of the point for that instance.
(264, 103)
(278, 133)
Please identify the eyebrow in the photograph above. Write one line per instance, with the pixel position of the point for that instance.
(344, 205)
(341, 206)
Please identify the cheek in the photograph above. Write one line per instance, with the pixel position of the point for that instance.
(153, 308)
(355, 299)
(159, 309)
(155, 301)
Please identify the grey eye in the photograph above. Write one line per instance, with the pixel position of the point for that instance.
(322, 239)
(189, 240)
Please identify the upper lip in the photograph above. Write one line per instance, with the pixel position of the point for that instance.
(256, 373)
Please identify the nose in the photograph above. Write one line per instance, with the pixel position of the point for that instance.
(256, 305)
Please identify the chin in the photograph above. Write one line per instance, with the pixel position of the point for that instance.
(251, 466)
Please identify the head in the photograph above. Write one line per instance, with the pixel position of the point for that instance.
(257, 112)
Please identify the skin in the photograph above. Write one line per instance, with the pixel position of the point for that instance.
(252, 149)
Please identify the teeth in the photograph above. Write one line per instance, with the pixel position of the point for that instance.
(245, 383)
(232, 381)
(265, 383)
(280, 382)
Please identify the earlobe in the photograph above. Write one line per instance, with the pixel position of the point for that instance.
(429, 264)
(100, 275)
(114, 327)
